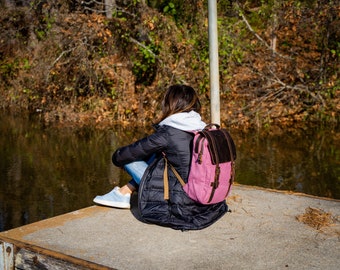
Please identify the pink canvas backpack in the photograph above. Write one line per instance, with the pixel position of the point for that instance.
(212, 168)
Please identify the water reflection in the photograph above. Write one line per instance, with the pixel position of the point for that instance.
(301, 160)
(46, 172)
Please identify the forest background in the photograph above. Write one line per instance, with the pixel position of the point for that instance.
(109, 62)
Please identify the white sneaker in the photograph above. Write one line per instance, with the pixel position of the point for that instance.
(114, 199)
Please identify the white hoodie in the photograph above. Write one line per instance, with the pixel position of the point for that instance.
(187, 121)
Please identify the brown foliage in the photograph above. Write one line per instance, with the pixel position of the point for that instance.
(75, 65)
(292, 82)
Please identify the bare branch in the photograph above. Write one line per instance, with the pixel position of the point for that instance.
(252, 30)
(271, 48)
(56, 60)
(145, 47)
(94, 10)
(301, 88)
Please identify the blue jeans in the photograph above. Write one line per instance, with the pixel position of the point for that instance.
(136, 169)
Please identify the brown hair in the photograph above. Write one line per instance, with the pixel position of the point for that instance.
(179, 98)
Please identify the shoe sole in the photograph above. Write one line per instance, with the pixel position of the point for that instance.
(112, 204)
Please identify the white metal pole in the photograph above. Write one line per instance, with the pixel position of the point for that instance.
(213, 63)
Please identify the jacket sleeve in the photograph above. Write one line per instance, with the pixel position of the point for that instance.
(141, 149)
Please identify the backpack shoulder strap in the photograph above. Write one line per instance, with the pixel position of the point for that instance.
(166, 177)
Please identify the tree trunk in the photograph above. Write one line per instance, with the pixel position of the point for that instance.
(110, 6)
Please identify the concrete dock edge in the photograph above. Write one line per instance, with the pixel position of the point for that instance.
(261, 232)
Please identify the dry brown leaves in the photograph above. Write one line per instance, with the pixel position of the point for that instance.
(316, 218)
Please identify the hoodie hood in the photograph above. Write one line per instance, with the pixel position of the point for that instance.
(186, 121)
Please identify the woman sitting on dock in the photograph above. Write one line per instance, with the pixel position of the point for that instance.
(143, 160)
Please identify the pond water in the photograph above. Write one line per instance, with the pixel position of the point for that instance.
(50, 171)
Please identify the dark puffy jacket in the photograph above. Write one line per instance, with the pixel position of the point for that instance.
(179, 212)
